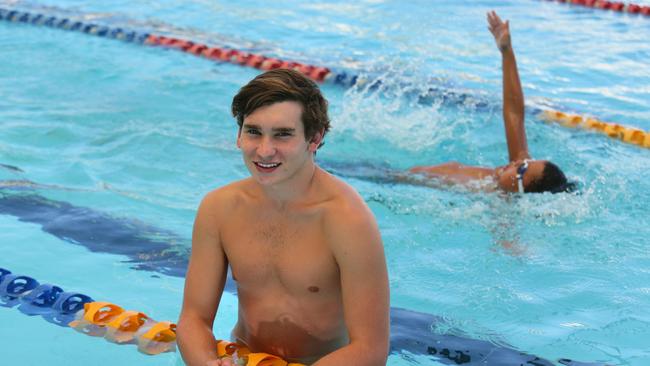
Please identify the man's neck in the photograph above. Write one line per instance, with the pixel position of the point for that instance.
(294, 189)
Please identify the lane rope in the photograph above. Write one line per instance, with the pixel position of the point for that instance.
(630, 135)
(317, 73)
(34, 298)
(82, 313)
(616, 6)
(109, 321)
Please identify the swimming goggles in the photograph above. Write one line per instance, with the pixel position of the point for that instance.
(521, 170)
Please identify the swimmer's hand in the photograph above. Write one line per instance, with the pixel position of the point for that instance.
(500, 30)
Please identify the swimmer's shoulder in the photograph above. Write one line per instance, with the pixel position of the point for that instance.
(228, 197)
(343, 206)
(349, 226)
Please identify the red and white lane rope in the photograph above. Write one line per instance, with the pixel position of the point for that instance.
(616, 6)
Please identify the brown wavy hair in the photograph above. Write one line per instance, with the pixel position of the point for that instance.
(283, 85)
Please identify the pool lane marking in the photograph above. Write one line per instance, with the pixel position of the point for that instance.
(317, 73)
(616, 6)
(231, 55)
(82, 313)
(630, 135)
(258, 61)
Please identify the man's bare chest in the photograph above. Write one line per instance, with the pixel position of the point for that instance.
(290, 251)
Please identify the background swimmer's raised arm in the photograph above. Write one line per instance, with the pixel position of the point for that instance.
(513, 96)
(541, 176)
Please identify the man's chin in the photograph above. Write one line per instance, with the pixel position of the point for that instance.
(265, 180)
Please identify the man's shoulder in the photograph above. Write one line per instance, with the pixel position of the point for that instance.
(347, 220)
(344, 205)
(226, 197)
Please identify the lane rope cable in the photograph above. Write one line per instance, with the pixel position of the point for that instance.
(317, 73)
(110, 321)
(616, 6)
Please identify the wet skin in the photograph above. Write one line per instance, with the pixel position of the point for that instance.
(505, 177)
(303, 248)
(288, 282)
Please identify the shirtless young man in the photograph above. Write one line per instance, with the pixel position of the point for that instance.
(521, 174)
(302, 245)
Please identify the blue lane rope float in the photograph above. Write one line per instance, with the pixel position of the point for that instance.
(34, 298)
(317, 73)
(41, 299)
(12, 287)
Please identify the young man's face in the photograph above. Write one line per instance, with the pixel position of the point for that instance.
(272, 141)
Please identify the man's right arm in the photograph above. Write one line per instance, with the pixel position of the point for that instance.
(204, 284)
(513, 96)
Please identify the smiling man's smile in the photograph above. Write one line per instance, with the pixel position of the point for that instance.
(266, 167)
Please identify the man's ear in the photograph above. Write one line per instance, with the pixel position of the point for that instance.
(239, 138)
(315, 141)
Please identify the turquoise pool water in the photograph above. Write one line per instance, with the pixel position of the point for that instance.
(131, 137)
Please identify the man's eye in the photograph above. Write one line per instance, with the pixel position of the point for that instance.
(253, 132)
(284, 134)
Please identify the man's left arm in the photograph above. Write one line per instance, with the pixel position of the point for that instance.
(357, 247)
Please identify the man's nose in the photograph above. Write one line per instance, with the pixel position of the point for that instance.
(266, 148)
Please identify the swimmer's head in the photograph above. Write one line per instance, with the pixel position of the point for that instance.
(534, 176)
(283, 85)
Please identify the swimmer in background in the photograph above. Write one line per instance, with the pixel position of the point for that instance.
(302, 245)
(521, 174)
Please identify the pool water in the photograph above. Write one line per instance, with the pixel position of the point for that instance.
(122, 141)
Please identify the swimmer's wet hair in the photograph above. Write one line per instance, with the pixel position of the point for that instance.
(552, 180)
(283, 85)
